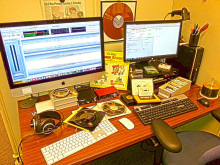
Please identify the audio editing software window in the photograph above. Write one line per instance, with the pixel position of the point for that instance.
(38, 52)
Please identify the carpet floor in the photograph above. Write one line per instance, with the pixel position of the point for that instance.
(6, 152)
(132, 155)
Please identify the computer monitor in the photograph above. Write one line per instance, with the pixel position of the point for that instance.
(146, 40)
(44, 55)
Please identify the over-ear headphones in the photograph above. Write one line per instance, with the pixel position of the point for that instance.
(43, 123)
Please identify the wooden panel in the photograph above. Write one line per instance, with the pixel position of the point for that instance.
(123, 138)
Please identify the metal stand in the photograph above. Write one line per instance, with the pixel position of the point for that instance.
(29, 102)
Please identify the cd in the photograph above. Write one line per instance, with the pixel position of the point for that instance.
(114, 18)
(112, 108)
(86, 117)
(60, 92)
(129, 97)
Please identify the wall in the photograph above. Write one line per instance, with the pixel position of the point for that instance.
(146, 10)
(202, 12)
(26, 10)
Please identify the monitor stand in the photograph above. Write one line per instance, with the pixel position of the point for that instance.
(154, 63)
(29, 102)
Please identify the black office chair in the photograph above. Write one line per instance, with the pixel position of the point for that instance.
(186, 148)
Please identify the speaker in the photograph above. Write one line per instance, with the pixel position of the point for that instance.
(43, 123)
(188, 61)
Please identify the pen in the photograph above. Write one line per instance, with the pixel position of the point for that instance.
(204, 28)
(196, 31)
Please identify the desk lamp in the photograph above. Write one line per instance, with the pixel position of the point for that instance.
(184, 13)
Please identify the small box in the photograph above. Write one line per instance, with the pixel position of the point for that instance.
(174, 87)
(128, 99)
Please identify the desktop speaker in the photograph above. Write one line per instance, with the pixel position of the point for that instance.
(188, 61)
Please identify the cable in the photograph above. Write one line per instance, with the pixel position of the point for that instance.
(62, 118)
(20, 148)
(166, 15)
(147, 146)
(198, 92)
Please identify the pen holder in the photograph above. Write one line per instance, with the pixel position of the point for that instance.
(194, 39)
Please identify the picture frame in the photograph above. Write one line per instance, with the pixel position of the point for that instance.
(115, 14)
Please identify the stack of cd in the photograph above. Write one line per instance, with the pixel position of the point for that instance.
(64, 97)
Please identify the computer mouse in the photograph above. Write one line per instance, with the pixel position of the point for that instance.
(204, 101)
(127, 123)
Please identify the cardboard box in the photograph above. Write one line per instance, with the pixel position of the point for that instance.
(174, 87)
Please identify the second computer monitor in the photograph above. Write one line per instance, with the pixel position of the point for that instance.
(145, 40)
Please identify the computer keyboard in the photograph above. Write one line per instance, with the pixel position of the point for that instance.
(168, 108)
(76, 142)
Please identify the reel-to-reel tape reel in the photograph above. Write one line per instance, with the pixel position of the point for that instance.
(112, 108)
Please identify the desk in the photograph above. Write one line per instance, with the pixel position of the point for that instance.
(123, 138)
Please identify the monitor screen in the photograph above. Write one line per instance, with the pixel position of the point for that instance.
(63, 52)
(145, 40)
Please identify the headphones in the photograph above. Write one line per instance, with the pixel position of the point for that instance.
(43, 123)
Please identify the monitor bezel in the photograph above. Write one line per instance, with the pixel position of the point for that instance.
(42, 22)
(151, 57)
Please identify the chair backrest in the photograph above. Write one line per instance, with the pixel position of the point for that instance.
(211, 156)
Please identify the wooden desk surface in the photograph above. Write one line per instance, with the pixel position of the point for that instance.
(123, 138)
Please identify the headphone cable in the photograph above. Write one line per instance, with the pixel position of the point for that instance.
(20, 147)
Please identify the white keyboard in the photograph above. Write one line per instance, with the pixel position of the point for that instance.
(76, 142)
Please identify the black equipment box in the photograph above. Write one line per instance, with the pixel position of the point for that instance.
(86, 96)
(188, 61)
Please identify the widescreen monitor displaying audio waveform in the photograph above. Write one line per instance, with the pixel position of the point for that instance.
(62, 52)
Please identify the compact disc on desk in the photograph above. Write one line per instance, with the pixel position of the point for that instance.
(60, 92)
(114, 18)
(86, 118)
(112, 108)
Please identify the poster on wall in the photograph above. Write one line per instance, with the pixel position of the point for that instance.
(115, 14)
(57, 9)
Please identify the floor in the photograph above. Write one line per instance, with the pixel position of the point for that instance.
(6, 152)
(133, 155)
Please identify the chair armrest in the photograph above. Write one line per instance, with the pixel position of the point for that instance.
(216, 114)
(166, 136)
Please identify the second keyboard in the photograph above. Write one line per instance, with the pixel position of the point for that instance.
(168, 108)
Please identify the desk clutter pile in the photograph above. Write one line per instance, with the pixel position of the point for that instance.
(120, 75)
